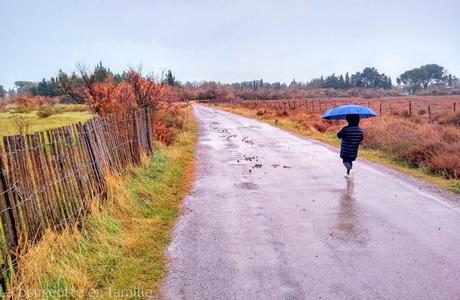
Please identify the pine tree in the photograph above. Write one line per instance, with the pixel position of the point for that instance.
(170, 79)
(341, 84)
(2, 91)
(100, 72)
(347, 81)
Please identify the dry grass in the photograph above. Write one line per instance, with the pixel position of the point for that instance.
(120, 249)
(61, 116)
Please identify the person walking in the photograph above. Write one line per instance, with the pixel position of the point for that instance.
(351, 135)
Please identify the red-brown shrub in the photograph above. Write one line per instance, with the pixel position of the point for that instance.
(320, 125)
(282, 113)
(445, 164)
(450, 118)
(424, 144)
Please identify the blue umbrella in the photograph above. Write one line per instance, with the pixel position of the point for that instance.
(341, 112)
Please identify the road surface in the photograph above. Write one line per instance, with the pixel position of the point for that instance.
(271, 216)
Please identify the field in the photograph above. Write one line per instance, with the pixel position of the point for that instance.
(12, 121)
(423, 107)
(423, 143)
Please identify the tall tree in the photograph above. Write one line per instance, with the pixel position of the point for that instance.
(170, 79)
(24, 87)
(2, 91)
(101, 73)
(71, 86)
(347, 80)
(422, 76)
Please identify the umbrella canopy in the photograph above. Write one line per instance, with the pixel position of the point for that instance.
(341, 112)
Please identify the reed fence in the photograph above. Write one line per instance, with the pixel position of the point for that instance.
(48, 178)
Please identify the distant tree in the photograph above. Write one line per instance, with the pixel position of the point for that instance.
(170, 79)
(451, 80)
(120, 77)
(370, 78)
(45, 87)
(11, 93)
(332, 82)
(347, 80)
(422, 77)
(24, 87)
(71, 86)
(293, 84)
(2, 91)
(101, 73)
(341, 82)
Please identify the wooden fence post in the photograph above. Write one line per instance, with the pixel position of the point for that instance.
(410, 108)
(7, 216)
(455, 106)
(429, 112)
(380, 109)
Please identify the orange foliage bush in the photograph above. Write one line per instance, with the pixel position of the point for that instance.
(136, 92)
(108, 97)
(26, 102)
(168, 122)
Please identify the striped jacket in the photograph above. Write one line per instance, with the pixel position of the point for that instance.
(351, 138)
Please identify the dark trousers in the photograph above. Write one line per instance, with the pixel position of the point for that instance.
(348, 164)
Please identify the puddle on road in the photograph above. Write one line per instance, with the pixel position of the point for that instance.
(248, 186)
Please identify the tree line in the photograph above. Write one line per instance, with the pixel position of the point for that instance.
(369, 78)
(68, 85)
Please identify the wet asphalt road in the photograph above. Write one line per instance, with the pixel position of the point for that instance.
(271, 216)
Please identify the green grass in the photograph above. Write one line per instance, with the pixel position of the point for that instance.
(8, 127)
(372, 155)
(121, 246)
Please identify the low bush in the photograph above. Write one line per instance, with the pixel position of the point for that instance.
(46, 111)
(282, 113)
(449, 118)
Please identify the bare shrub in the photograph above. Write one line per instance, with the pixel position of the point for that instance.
(21, 124)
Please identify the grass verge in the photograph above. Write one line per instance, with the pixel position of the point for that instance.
(120, 250)
(372, 155)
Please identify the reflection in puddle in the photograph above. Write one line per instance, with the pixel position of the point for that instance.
(348, 221)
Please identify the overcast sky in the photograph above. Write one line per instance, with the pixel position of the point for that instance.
(228, 40)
